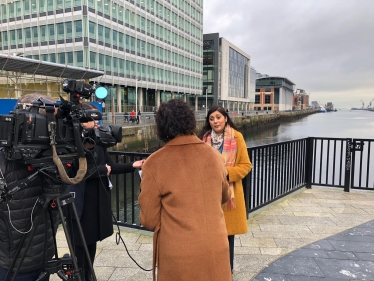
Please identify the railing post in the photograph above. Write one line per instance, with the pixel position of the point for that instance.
(309, 162)
(348, 165)
(247, 187)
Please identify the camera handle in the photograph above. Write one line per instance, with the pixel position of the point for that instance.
(13, 188)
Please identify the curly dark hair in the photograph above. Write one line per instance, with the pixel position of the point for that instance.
(207, 126)
(174, 118)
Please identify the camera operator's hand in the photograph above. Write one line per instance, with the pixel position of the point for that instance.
(138, 164)
(109, 169)
(90, 125)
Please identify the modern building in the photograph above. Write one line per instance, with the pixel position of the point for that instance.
(315, 105)
(274, 93)
(149, 47)
(226, 74)
(300, 100)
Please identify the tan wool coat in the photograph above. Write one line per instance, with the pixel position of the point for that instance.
(182, 189)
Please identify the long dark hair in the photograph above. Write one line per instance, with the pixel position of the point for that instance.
(207, 126)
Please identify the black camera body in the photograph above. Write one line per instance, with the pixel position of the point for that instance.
(24, 132)
(24, 135)
(105, 136)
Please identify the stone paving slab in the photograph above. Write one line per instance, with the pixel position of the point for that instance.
(318, 234)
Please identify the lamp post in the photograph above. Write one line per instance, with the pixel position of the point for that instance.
(136, 97)
(206, 101)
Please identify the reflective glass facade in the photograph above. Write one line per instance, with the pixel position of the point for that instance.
(156, 42)
(237, 74)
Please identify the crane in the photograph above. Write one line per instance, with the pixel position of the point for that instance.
(362, 104)
(371, 103)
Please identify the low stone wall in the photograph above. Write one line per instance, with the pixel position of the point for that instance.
(145, 135)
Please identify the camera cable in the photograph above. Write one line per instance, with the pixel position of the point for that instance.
(118, 234)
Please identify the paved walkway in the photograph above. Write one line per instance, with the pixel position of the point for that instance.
(320, 234)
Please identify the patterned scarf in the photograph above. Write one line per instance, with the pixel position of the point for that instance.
(228, 152)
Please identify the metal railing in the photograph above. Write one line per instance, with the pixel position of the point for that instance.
(278, 170)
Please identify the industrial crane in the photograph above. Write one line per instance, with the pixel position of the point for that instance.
(370, 103)
(362, 104)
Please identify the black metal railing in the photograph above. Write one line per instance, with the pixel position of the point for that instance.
(278, 170)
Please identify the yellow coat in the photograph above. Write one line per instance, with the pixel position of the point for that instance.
(236, 219)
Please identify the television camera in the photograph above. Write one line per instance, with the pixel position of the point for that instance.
(47, 136)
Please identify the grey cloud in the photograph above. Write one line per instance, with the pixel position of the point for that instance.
(322, 46)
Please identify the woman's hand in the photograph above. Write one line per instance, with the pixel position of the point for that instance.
(138, 164)
(109, 169)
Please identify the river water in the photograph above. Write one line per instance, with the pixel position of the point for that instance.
(339, 124)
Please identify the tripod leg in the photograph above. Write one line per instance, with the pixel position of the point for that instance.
(68, 199)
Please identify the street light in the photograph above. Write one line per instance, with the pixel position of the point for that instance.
(136, 97)
(206, 101)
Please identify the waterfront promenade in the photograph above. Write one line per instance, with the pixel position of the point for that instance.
(303, 233)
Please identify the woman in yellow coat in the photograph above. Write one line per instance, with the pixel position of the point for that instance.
(221, 133)
(183, 187)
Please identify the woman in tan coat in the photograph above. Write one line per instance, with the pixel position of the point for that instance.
(182, 189)
(221, 133)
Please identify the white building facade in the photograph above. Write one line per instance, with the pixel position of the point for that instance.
(149, 50)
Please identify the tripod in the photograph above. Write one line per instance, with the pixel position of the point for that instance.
(66, 267)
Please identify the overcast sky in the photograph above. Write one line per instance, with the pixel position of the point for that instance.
(325, 47)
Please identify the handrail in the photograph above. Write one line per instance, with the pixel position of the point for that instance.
(278, 170)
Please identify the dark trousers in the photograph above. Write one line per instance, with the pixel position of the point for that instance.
(231, 246)
(82, 260)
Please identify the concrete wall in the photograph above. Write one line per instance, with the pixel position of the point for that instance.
(143, 135)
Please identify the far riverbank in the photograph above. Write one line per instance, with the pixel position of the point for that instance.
(143, 138)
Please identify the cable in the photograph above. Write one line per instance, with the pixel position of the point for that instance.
(32, 223)
(118, 235)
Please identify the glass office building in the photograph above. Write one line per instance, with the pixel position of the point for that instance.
(226, 74)
(152, 47)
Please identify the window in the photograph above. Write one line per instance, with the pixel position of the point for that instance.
(28, 35)
(78, 28)
(107, 35)
(5, 38)
(100, 33)
(121, 41)
(92, 27)
(108, 63)
(67, 4)
(4, 11)
(69, 30)
(52, 58)
(69, 58)
(79, 60)
(51, 32)
(257, 99)
(101, 62)
(115, 64)
(267, 99)
(106, 7)
(61, 58)
(42, 6)
(114, 36)
(59, 4)
(26, 7)
(12, 36)
(50, 5)
(92, 60)
(60, 31)
(18, 8)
